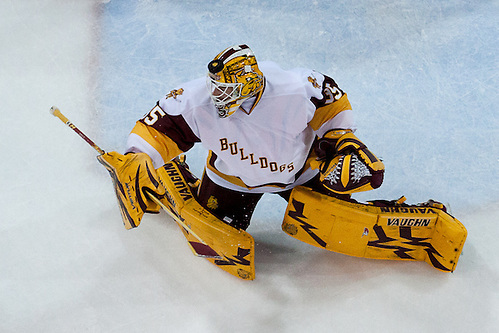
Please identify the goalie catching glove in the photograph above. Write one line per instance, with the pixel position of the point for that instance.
(133, 175)
(347, 165)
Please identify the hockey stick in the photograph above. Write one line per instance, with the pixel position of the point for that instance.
(57, 113)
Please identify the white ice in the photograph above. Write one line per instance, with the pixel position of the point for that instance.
(421, 75)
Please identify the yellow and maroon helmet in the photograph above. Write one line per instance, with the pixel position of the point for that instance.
(233, 77)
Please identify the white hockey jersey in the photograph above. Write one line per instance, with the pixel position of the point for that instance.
(264, 150)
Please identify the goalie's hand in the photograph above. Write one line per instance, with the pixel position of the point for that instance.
(133, 175)
(348, 166)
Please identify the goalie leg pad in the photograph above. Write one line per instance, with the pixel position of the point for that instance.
(410, 232)
(228, 248)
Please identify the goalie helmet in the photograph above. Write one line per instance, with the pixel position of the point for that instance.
(233, 77)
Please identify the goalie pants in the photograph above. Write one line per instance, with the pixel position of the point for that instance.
(236, 208)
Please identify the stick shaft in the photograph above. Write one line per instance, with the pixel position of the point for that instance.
(57, 113)
(173, 216)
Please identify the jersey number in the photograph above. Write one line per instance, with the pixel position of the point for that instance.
(331, 93)
(154, 115)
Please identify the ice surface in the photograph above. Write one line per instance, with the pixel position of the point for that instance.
(422, 77)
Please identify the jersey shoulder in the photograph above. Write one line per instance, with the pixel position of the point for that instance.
(299, 81)
(186, 97)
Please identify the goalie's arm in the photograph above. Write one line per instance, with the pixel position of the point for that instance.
(155, 139)
(161, 136)
(333, 110)
(146, 139)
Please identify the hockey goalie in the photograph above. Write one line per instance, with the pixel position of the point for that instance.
(269, 130)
